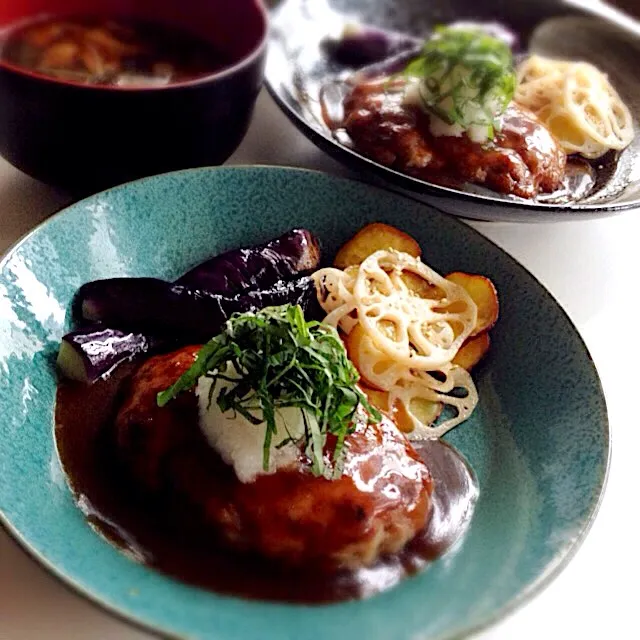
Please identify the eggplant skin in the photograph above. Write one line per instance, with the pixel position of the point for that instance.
(360, 45)
(145, 313)
(89, 354)
(376, 52)
(292, 254)
(160, 308)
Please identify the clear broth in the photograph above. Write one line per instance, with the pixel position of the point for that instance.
(113, 52)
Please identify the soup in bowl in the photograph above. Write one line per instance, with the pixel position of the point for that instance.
(91, 97)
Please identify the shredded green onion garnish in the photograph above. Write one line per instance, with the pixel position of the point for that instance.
(274, 358)
(467, 77)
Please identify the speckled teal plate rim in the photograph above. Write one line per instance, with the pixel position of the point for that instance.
(567, 549)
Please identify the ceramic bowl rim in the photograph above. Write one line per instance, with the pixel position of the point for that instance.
(397, 178)
(554, 567)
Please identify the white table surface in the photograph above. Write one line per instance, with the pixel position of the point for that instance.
(593, 270)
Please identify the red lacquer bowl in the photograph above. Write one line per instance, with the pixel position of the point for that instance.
(87, 137)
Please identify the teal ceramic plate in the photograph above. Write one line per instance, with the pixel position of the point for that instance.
(538, 442)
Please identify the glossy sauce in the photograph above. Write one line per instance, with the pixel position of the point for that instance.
(166, 536)
(523, 160)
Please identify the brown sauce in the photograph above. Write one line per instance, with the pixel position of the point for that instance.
(105, 51)
(148, 532)
(523, 160)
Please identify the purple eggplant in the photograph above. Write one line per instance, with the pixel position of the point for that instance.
(259, 267)
(379, 52)
(193, 308)
(361, 45)
(387, 67)
(89, 354)
(175, 311)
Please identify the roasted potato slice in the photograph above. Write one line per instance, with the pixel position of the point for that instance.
(372, 238)
(472, 351)
(427, 412)
(353, 344)
(483, 293)
(379, 399)
(420, 287)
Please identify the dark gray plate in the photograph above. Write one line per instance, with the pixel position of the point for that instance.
(297, 68)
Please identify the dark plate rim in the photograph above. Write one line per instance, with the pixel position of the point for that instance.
(547, 212)
(554, 568)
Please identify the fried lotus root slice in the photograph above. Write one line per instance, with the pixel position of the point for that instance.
(377, 370)
(416, 398)
(472, 351)
(416, 332)
(372, 238)
(424, 410)
(484, 294)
